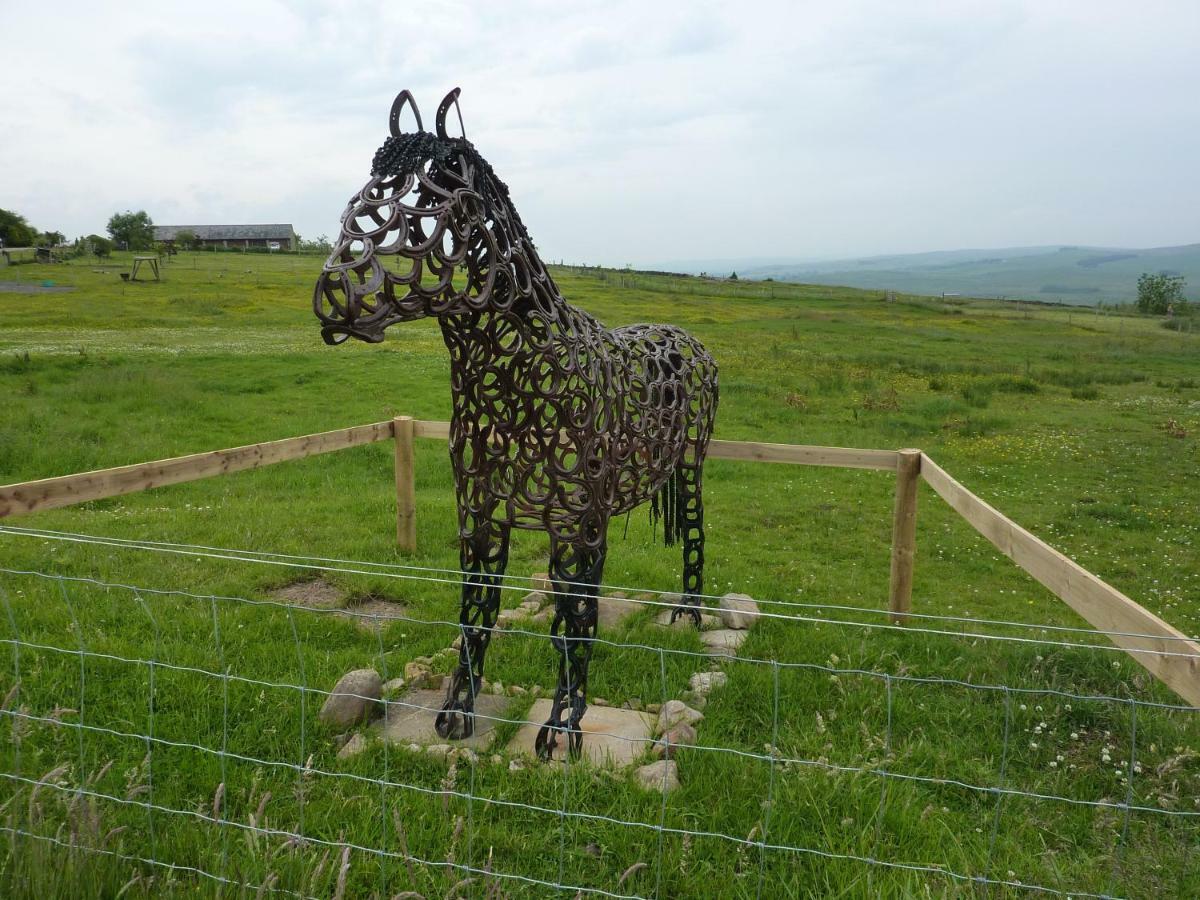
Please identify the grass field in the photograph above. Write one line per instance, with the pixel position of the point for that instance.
(1082, 427)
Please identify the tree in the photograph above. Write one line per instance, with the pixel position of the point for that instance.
(133, 229)
(320, 245)
(52, 238)
(186, 238)
(1158, 293)
(15, 231)
(733, 276)
(101, 246)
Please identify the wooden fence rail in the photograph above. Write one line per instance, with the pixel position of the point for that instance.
(1163, 650)
(1170, 656)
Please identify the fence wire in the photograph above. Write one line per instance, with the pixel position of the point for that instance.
(403, 803)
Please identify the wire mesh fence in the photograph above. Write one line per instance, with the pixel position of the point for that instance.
(164, 738)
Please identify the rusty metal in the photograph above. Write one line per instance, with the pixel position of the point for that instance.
(559, 423)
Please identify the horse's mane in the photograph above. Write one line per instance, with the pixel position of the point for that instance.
(404, 154)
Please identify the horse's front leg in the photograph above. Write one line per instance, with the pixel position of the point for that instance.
(483, 556)
(576, 567)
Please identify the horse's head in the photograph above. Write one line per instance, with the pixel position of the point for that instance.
(432, 233)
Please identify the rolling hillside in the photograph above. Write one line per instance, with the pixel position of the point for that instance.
(1066, 274)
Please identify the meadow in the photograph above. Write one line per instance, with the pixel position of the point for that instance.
(1081, 426)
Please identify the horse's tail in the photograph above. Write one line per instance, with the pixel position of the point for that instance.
(666, 504)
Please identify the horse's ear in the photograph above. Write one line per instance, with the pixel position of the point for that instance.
(403, 99)
(451, 99)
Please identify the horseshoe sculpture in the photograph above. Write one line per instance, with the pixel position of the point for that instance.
(559, 423)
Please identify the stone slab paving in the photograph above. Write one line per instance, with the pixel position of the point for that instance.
(611, 736)
(707, 620)
(404, 723)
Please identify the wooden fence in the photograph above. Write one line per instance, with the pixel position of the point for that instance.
(1163, 650)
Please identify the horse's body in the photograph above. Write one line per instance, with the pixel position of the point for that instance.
(558, 422)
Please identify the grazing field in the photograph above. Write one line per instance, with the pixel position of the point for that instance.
(1083, 427)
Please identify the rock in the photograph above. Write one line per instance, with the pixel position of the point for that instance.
(534, 600)
(515, 690)
(456, 644)
(497, 759)
(694, 700)
(709, 622)
(599, 701)
(516, 765)
(507, 617)
(738, 611)
(706, 682)
(659, 776)
(468, 755)
(541, 584)
(675, 711)
(544, 615)
(395, 686)
(723, 641)
(438, 750)
(670, 742)
(634, 703)
(416, 673)
(356, 745)
(498, 688)
(653, 708)
(354, 699)
(448, 651)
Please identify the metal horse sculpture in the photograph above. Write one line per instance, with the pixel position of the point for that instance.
(558, 424)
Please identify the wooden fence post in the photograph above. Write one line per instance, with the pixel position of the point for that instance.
(904, 533)
(406, 511)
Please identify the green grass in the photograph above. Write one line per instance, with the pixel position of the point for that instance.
(1069, 423)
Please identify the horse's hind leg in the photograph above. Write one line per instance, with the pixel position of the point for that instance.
(484, 555)
(575, 570)
(690, 514)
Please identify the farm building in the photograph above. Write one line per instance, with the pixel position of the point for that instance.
(232, 235)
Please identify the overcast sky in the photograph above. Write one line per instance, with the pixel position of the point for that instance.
(628, 132)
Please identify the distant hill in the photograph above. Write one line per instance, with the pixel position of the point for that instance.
(1066, 274)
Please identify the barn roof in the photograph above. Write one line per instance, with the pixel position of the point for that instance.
(227, 232)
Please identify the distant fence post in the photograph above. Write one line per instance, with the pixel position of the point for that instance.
(904, 533)
(406, 511)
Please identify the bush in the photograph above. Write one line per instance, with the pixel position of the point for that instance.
(977, 393)
(1161, 293)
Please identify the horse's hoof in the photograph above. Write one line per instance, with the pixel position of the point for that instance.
(692, 611)
(454, 722)
(547, 740)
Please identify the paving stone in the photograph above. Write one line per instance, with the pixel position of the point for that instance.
(610, 736)
(708, 622)
(410, 720)
(723, 641)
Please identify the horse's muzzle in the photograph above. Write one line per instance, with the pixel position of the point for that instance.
(339, 334)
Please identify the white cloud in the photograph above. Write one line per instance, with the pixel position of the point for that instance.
(628, 132)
